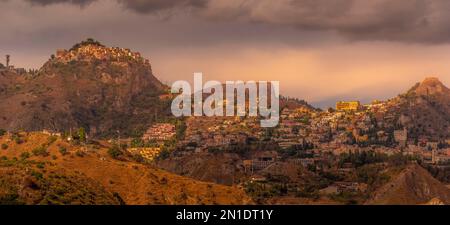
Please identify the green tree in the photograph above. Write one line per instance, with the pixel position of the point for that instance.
(40, 151)
(164, 154)
(82, 135)
(115, 152)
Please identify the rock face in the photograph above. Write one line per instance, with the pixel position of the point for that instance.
(412, 186)
(424, 110)
(432, 86)
(92, 86)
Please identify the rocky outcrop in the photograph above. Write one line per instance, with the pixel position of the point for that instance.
(424, 110)
(412, 186)
(99, 88)
(432, 86)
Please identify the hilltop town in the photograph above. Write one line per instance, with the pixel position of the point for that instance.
(99, 88)
(91, 49)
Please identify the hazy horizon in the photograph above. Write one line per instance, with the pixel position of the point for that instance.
(322, 51)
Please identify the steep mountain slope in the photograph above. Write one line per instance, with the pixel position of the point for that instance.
(92, 86)
(40, 169)
(424, 110)
(412, 186)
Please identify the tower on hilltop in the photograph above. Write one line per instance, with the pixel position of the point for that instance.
(7, 60)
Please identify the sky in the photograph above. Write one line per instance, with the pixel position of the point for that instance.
(320, 50)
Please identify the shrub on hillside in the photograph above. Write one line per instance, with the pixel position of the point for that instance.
(80, 153)
(18, 139)
(115, 152)
(63, 150)
(41, 151)
(4, 146)
(37, 175)
(25, 155)
(164, 154)
(40, 165)
(51, 139)
(138, 158)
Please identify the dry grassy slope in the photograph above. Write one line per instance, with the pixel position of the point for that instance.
(135, 183)
(414, 185)
(20, 183)
(218, 168)
(293, 172)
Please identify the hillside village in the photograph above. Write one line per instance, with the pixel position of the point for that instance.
(337, 142)
(363, 127)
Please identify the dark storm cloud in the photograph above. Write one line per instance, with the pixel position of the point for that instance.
(298, 42)
(140, 6)
(49, 2)
(419, 21)
(399, 20)
(143, 6)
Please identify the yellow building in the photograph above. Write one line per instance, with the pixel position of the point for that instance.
(147, 152)
(348, 106)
